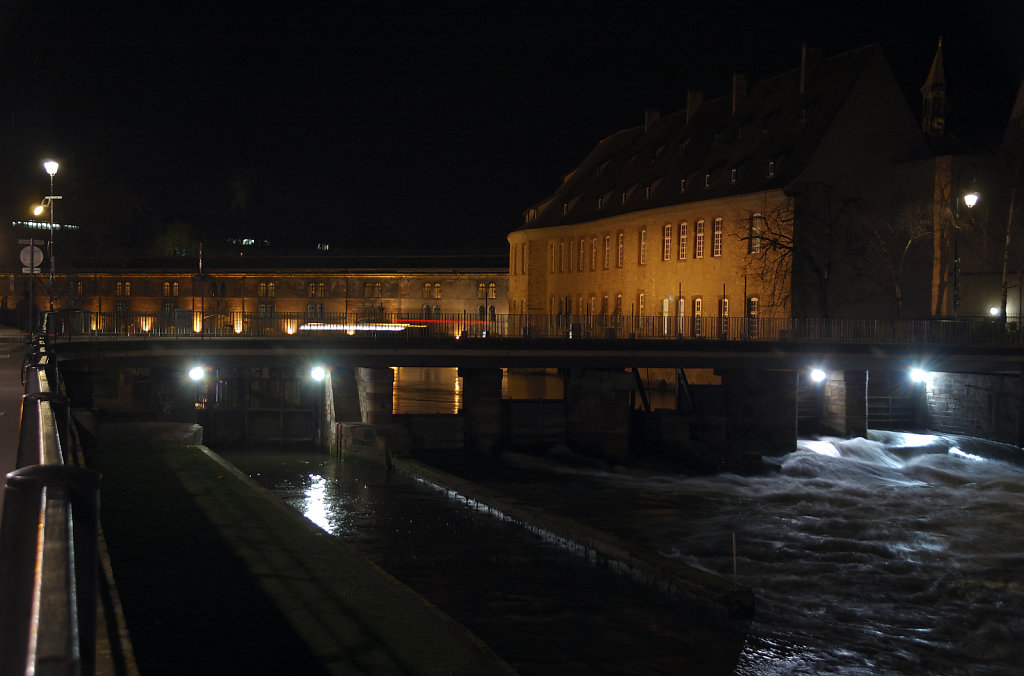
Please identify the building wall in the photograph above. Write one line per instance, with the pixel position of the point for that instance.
(319, 293)
(651, 274)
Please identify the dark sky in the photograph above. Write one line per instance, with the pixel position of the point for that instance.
(373, 124)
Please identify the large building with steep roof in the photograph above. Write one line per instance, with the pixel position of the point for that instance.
(807, 194)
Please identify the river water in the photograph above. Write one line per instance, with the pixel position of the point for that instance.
(903, 554)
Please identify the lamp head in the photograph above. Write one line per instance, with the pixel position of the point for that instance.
(971, 198)
(51, 167)
(38, 209)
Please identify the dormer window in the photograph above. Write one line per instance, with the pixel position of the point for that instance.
(771, 168)
(732, 175)
(647, 192)
(600, 202)
(682, 185)
(707, 179)
(565, 208)
(623, 196)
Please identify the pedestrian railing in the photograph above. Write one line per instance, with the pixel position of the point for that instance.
(71, 325)
(48, 539)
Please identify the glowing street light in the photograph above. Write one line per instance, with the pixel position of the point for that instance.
(51, 168)
(970, 198)
(818, 375)
(196, 373)
(318, 373)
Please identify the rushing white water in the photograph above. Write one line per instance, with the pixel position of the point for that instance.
(898, 555)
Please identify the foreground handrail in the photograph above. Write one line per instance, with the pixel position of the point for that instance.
(48, 542)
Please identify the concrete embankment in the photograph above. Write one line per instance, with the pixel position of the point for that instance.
(216, 575)
(676, 579)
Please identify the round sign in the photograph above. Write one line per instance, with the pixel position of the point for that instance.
(31, 256)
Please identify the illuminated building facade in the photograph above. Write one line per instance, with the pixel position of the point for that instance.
(790, 197)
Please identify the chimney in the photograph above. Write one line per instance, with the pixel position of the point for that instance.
(810, 57)
(650, 117)
(739, 90)
(694, 99)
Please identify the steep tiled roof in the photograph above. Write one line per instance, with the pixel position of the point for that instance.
(774, 122)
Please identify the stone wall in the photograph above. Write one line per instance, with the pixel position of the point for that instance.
(985, 406)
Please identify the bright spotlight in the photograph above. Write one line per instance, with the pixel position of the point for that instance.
(196, 373)
(994, 311)
(317, 373)
(918, 375)
(817, 375)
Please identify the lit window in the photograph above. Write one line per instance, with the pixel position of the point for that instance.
(771, 168)
(311, 289)
(607, 251)
(582, 255)
(621, 251)
(707, 179)
(321, 289)
(666, 243)
(698, 312)
(492, 290)
(367, 290)
(732, 175)
(647, 192)
(593, 253)
(682, 241)
(640, 304)
(271, 288)
(428, 290)
(378, 290)
(262, 290)
(437, 294)
(643, 246)
(119, 288)
(756, 228)
(166, 289)
(698, 245)
(716, 242)
(174, 289)
(618, 304)
(682, 185)
(481, 290)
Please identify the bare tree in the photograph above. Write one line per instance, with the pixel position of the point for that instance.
(801, 244)
(892, 236)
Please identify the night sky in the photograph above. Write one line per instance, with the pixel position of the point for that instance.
(371, 125)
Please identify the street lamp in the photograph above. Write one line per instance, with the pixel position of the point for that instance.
(51, 168)
(970, 198)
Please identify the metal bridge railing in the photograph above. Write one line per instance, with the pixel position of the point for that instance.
(77, 324)
(48, 539)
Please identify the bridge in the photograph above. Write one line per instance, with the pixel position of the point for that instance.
(760, 365)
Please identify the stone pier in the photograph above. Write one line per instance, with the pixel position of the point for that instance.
(845, 403)
(761, 412)
(597, 411)
(481, 408)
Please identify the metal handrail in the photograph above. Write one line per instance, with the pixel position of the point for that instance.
(48, 570)
(77, 325)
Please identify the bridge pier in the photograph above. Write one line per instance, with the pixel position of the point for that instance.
(376, 394)
(845, 403)
(761, 412)
(481, 408)
(597, 414)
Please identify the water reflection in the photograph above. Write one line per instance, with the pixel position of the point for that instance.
(315, 506)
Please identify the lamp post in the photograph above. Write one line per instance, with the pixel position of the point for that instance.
(970, 198)
(51, 168)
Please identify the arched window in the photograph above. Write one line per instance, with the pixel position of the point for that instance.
(166, 289)
(491, 314)
(437, 289)
(492, 290)
(481, 290)
(481, 312)
(427, 290)
(174, 289)
(698, 321)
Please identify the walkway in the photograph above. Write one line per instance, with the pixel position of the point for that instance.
(12, 350)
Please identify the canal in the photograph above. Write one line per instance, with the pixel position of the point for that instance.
(891, 555)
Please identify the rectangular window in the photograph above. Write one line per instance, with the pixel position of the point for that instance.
(551, 256)
(682, 241)
(522, 258)
(716, 242)
(607, 251)
(698, 322)
(621, 255)
(756, 228)
(593, 253)
(643, 246)
(698, 245)
(561, 256)
(666, 243)
(582, 255)
(618, 304)
(640, 305)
